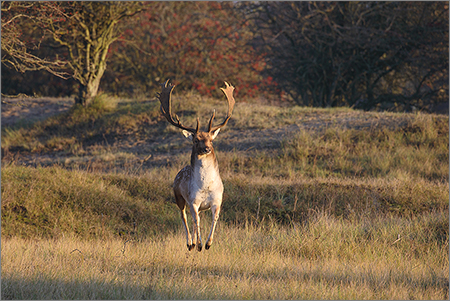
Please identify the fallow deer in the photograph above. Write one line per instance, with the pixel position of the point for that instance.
(198, 186)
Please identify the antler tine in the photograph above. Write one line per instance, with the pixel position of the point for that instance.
(211, 120)
(228, 91)
(165, 98)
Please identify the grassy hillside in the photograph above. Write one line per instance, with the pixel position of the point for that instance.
(108, 170)
(309, 193)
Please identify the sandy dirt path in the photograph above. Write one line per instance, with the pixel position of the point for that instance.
(32, 109)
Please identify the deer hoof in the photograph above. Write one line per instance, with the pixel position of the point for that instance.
(207, 247)
(190, 247)
(199, 247)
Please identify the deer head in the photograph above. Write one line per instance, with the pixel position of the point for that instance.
(202, 141)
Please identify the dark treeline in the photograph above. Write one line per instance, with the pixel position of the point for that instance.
(368, 55)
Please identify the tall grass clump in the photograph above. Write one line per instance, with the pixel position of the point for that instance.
(53, 202)
(289, 201)
(384, 152)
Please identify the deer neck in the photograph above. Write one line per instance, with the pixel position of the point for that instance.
(205, 167)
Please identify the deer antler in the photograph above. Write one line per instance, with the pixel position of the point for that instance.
(228, 91)
(166, 107)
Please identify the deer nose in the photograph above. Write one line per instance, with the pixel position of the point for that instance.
(204, 150)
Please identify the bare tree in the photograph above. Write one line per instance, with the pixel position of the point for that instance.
(357, 54)
(77, 36)
(16, 52)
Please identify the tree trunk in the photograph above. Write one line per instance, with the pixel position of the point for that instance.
(87, 92)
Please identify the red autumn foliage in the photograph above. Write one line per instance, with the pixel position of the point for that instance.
(195, 44)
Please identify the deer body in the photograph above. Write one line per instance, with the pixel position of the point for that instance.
(198, 186)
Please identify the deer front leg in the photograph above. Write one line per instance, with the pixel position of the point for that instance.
(189, 243)
(215, 217)
(181, 203)
(196, 224)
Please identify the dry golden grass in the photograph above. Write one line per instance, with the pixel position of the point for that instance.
(327, 259)
(318, 204)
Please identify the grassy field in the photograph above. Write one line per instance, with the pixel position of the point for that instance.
(329, 258)
(318, 204)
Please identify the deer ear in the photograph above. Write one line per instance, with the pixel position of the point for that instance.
(216, 132)
(188, 135)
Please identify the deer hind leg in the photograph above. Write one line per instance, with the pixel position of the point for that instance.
(182, 205)
(196, 224)
(215, 217)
